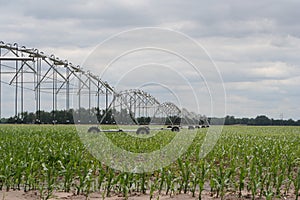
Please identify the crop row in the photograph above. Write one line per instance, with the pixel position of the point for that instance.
(256, 161)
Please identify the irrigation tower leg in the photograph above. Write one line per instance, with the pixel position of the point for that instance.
(22, 92)
(106, 105)
(98, 100)
(16, 94)
(68, 90)
(79, 98)
(54, 97)
(89, 100)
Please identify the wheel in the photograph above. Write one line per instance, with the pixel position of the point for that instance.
(191, 127)
(175, 129)
(93, 129)
(143, 130)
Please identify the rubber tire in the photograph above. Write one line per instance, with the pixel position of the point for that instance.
(191, 127)
(143, 130)
(93, 129)
(175, 129)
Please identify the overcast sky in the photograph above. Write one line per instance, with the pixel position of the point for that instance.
(255, 44)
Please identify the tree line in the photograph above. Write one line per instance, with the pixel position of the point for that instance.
(84, 116)
(95, 115)
(260, 120)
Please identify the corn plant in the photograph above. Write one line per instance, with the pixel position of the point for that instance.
(52, 158)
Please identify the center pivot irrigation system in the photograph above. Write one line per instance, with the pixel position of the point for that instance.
(27, 72)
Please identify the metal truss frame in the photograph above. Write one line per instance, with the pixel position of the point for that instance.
(45, 74)
(30, 69)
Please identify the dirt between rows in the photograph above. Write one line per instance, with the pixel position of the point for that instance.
(34, 195)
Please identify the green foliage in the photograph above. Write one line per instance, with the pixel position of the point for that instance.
(261, 161)
(260, 120)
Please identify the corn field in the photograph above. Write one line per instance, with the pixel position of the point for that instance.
(247, 162)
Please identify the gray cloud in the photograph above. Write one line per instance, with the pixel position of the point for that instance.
(256, 44)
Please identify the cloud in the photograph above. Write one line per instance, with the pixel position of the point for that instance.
(256, 44)
(274, 70)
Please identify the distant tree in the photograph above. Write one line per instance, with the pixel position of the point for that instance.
(290, 122)
(244, 121)
(230, 120)
(144, 120)
(172, 120)
(251, 121)
(262, 120)
(28, 118)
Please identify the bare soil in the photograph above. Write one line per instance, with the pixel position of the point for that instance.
(34, 195)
